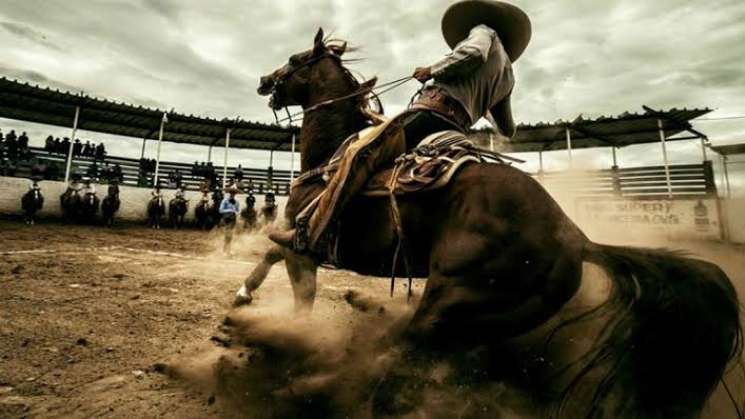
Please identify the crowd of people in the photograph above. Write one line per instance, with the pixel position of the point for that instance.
(14, 147)
(94, 151)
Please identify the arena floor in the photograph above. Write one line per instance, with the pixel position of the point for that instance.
(85, 313)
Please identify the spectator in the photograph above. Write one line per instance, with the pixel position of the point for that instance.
(57, 146)
(38, 170)
(195, 169)
(65, 146)
(118, 173)
(177, 178)
(86, 151)
(49, 144)
(238, 173)
(77, 147)
(23, 142)
(100, 152)
(11, 143)
(92, 171)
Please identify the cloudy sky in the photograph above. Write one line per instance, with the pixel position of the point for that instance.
(204, 57)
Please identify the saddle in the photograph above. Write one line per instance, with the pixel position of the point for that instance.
(429, 166)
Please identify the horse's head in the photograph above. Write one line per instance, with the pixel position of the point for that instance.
(298, 82)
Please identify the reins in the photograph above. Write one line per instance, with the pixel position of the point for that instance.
(386, 87)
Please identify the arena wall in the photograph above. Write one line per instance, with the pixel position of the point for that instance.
(734, 210)
(687, 219)
(133, 199)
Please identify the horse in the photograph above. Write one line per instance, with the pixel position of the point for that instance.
(202, 214)
(109, 206)
(177, 209)
(31, 202)
(502, 259)
(88, 207)
(156, 208)
(70, 203)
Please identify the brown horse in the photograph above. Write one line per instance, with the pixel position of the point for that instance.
(502, 259)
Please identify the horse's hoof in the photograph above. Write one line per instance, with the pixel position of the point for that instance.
(242, 298)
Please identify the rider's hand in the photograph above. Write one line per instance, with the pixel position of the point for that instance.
(423, 74)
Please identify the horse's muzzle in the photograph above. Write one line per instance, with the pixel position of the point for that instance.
(266, 84)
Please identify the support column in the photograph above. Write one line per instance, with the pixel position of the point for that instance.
(491, 141)
(209, 153)
(615, 161)
(72, 141)
(540, 166)
(292, 159)
(569, 145)
(157, 155)
(664, 156)
(142, 151)
(726, 177)
(703, 148)
(225, 160)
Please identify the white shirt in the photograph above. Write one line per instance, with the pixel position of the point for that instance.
(477, 73)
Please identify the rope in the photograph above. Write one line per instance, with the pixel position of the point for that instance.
(400, 244)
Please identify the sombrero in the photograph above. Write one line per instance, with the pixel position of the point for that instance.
(232, 189)
(510, 22)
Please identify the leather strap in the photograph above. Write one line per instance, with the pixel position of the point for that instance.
(437, 100)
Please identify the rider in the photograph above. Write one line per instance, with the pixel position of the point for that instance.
(229, 210)
(114, 188)
(34, 186)
(474, 80)
(156, 194)
(89, 188)
(181, 193)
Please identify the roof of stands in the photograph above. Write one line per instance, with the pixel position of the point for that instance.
(43, 105)
(730, 149)
(606, 131)
(26, 102)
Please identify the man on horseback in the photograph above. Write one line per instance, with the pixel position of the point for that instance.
(475, 80)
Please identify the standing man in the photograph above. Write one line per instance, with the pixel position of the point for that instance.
(229, 210)
(475, 80)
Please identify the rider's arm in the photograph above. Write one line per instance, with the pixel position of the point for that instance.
(467, 55)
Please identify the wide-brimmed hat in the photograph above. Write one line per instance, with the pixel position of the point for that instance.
(232, 189)
(510, 22)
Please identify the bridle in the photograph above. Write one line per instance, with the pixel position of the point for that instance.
(280, 81)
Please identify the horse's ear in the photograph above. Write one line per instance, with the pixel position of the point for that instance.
(318, 45)
(369, 84)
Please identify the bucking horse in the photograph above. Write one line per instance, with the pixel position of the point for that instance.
(31, 202)
(502, 259)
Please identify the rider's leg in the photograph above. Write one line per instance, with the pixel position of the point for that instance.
(355, 168)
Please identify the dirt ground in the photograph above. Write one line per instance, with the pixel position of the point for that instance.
(85, 313)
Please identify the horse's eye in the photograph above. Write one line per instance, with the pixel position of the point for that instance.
(294, 60)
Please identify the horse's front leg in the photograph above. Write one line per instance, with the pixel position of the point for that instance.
(302, 271)
(257, 276)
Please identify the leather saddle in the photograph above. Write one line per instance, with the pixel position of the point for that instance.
(428, 166)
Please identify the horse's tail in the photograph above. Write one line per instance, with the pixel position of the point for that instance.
(674, 326)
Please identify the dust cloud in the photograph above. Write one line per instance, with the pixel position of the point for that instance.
(347, 359)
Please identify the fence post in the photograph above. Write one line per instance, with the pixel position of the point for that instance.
(616, 181)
